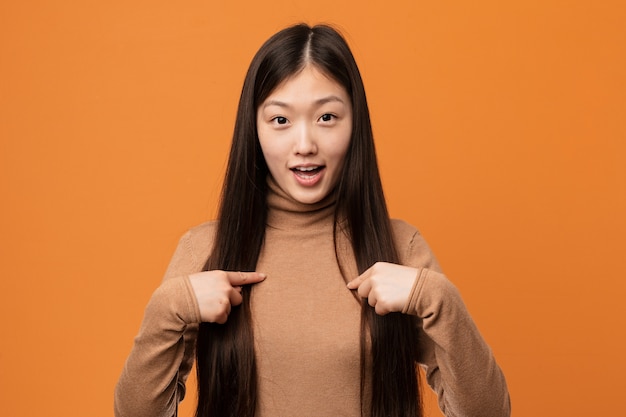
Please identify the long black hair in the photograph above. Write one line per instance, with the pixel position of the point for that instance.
(227, 379)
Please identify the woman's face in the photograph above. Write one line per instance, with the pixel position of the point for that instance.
(304, 129)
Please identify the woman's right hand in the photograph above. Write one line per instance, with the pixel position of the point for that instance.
(217, 291)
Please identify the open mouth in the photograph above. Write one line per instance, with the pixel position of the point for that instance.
(307, 172)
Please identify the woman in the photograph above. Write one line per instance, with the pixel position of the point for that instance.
(342, 303)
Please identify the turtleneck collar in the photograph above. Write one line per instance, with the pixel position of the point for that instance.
(285, 212)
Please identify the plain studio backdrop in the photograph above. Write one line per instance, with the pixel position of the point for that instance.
(501, 135)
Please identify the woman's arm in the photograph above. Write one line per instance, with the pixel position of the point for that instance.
(459, 365)
(152, 382)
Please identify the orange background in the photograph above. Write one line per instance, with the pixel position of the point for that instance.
(501, 135)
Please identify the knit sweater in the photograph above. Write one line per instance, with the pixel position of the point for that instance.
(306, 326)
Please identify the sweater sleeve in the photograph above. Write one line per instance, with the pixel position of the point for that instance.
(459, 365)
(152, 382)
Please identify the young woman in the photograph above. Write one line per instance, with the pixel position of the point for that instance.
(304, 298)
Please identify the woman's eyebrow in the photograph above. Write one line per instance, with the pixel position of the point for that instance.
(275, 103)
(329, 99)
(317, 102)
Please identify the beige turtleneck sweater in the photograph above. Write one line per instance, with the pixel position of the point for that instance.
(306, 326)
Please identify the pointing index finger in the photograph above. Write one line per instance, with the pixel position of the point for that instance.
(356, 283)
(237, 278)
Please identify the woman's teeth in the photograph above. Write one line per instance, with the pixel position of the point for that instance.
(306, 172)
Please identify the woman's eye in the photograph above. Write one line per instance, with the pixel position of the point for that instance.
(280, 120)
(327, 117)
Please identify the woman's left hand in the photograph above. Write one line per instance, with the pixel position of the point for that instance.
(386, 286)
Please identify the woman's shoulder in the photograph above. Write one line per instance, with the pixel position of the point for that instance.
(403, 229)
(193, 250)
(411, 245)
(404, 234)
(200, 237)
(203, 230)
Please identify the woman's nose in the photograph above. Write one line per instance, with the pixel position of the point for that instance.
(305, 141)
